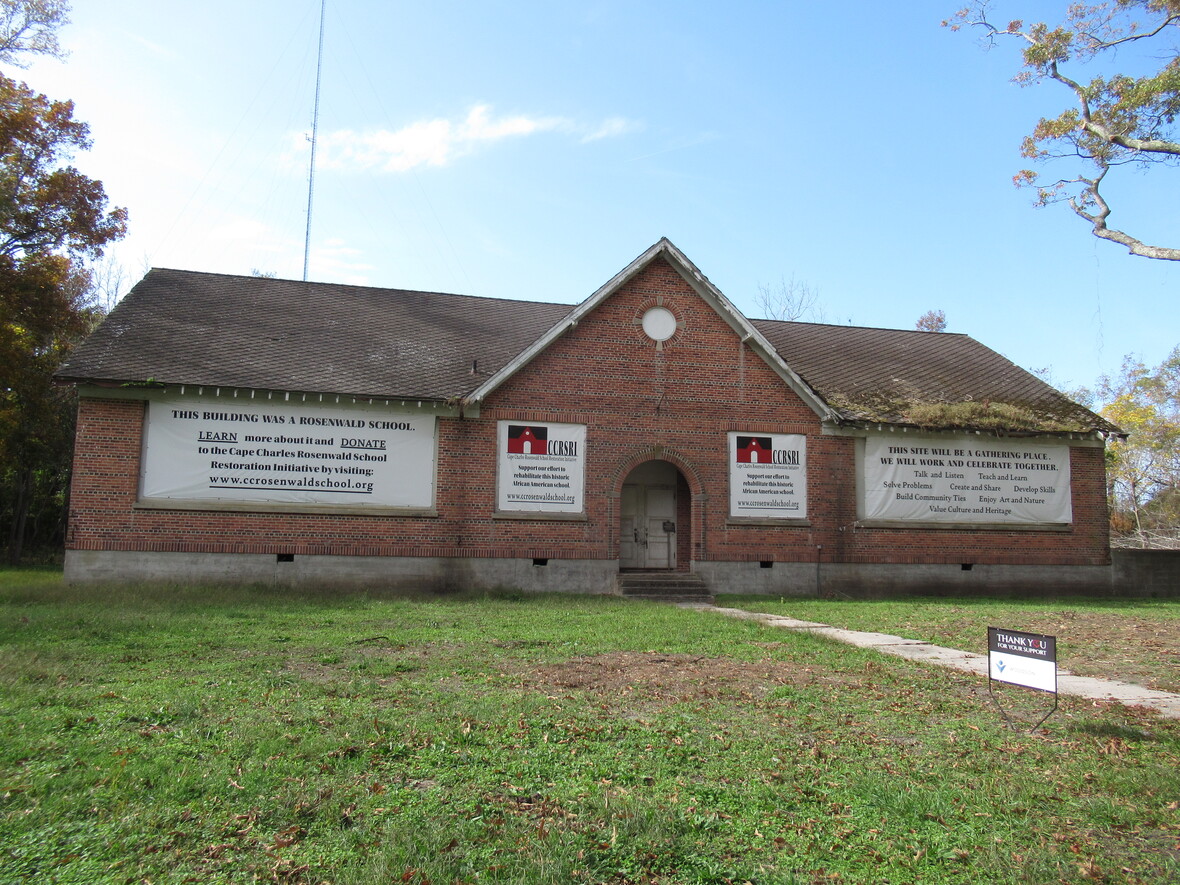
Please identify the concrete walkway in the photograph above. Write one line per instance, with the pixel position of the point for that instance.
(1164, 703)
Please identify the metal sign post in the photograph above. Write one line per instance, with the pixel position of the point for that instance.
(1025, 659)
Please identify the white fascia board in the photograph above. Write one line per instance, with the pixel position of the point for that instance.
(711, 295)
(748, 333)
(174, 390)
(563, 325)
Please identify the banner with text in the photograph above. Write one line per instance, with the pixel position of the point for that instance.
(541, 467)
(1028, 659)
(768, 475)
(966, 479)
(261, 451)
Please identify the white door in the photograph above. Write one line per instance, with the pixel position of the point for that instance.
(647, 526)
(629, 546)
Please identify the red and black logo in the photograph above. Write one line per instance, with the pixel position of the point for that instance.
(754, 449)
(527, 440)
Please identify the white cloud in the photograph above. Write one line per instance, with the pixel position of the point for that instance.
(428, 143)
(152, 47)
(238, 244)
(230, 242)
(611, 128)
(480, 127)
(440, 141)
(245, 230)
(334, 260)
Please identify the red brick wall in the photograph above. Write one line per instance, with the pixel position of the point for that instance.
(638, 403)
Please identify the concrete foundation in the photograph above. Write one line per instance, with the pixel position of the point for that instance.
(1135, 573)
(956, 580)
(781, 579)
(427, 574)
(1147, 572)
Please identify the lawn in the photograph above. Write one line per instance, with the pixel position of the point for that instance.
(1134, 641)
(176, 734)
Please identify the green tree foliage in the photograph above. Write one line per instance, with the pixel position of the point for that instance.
(1143, 471)
(42, 314)
(53, 221)
(1117, 119)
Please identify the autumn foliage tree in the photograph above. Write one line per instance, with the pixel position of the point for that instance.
(1116, 120)
(29, 27)
(931, 321)
(53, 221)
(1143, 470)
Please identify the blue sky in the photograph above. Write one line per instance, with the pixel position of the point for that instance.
(532, 149)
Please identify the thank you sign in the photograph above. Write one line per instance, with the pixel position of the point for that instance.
(1028, 659)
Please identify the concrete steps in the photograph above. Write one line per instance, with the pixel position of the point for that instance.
(664, 587)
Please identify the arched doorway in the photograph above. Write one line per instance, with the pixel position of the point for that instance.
(654, 514)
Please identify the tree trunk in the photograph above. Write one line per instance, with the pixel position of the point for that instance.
(20, 515)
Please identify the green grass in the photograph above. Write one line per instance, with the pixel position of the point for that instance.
(174, 734)
(1133, 640)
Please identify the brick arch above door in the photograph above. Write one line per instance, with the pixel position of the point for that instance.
(656, 453)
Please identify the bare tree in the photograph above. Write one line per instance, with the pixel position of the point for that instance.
(789, 300)
(108, 283)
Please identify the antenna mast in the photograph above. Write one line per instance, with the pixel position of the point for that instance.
(315, 131)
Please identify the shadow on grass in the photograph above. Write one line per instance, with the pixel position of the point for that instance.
(1094, 728)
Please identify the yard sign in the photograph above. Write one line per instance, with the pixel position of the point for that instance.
(1026, 659)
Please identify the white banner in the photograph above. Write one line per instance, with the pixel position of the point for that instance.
(541, 468)
(262, 451)
(966, 479)
(768, 475)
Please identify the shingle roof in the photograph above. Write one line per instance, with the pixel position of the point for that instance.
(907, 377)
(181, 327)
(203, 329)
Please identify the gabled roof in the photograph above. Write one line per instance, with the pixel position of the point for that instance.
(707, 291)
(213, 330)
(934, 379)
(180, 327)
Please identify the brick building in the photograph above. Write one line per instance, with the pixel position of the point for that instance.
(250, 429)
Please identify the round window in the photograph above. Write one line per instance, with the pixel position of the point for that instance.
(659, 324)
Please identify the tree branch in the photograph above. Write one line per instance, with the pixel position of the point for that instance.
(1097, 44)
(1147, 145)
(1118, 120)
(1098, 220)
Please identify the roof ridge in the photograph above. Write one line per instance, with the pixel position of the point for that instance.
(851, 326)
(317, 283)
